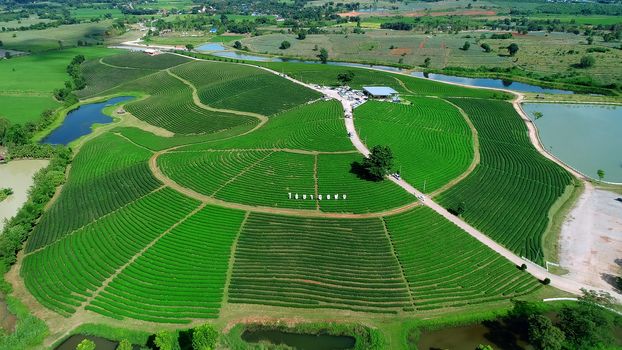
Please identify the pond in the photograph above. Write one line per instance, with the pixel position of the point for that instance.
(17, 175)
(100, 343)
(584, 136)
(491, 333)
(495, 333)
(299, 341)
(211, 47)
(491, 83)
(79, 121)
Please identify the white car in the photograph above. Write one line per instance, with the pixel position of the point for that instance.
(421, 197)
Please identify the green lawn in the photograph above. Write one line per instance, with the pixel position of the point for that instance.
(48, 39)
(22, 109)
(28, 81)
(82, 13)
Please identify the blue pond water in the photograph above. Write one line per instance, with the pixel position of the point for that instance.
(211, 47)
(491, 83)
(79, 121)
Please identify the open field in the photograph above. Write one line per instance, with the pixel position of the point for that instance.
(195, 39)
(509, 194)
(233, 176)
(28, 81)
(23, 109)
(539, 52)
(52, 38)
(431, 140)
(25, 22)
(90, 12)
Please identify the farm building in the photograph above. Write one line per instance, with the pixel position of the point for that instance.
(380, 92)
(151, 52)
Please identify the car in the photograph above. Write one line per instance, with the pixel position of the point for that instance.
(396, 175)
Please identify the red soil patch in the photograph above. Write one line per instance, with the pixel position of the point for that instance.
(400, 51)
(422, 43)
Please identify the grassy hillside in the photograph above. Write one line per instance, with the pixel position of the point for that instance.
(119, 176)
(430, 139)
(55, 38)
(243, 88)
(509, 194)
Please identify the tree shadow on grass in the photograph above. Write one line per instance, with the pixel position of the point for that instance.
(614, 281)
(185, 339)
(359, 170)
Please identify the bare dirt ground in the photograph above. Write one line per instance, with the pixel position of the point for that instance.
(591, 239)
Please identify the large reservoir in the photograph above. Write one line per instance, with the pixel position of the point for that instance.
(587, 137)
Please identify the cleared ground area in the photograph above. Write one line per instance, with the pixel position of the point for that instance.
(591, 239)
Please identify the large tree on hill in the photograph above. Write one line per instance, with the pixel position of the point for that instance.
(513, 49)
(379, 162)
(587, 61)
(323, 56)
(346, 77)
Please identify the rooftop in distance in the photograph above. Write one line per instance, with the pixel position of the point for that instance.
(379, 91)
